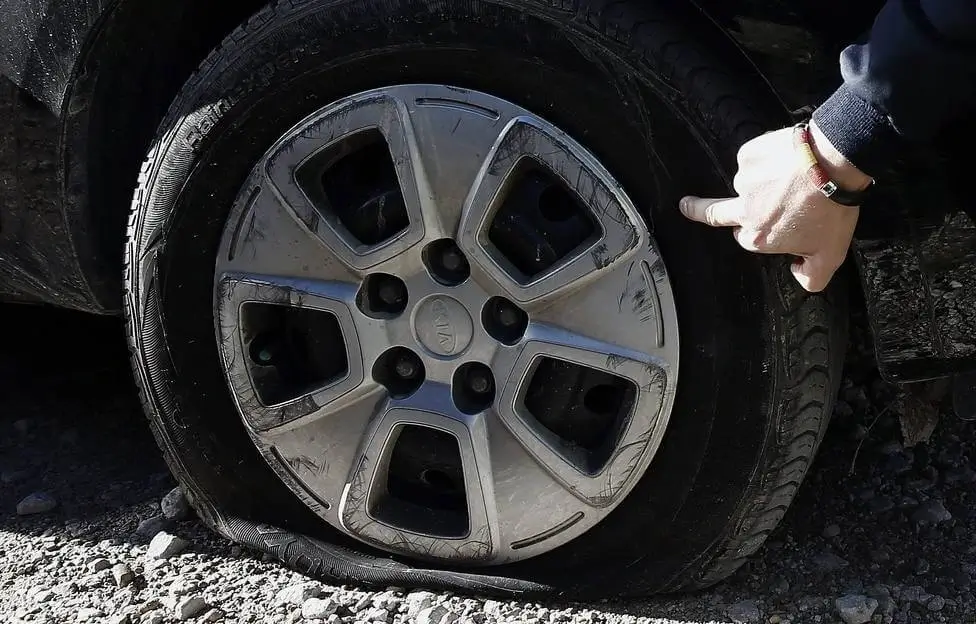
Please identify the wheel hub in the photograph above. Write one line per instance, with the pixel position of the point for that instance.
(443, 325)
(448, 331)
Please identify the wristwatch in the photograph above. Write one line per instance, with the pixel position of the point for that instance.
(819, 177)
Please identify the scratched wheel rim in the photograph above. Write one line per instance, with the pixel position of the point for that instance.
(445, 325)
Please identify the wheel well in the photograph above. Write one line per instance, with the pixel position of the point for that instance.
(132, 69)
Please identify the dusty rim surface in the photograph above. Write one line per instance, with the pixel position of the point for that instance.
(879, 533)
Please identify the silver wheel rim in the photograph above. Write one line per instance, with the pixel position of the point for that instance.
(302, 277)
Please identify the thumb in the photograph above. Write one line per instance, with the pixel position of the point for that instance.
(814, 273)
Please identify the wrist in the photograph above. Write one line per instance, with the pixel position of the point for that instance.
(838, 168)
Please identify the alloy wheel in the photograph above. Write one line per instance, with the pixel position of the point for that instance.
(445, 325)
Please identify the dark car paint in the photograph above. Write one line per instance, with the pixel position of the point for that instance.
(83, 84)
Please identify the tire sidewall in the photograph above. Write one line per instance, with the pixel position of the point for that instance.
(650, 136)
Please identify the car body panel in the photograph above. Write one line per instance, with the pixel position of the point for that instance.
(82, 87)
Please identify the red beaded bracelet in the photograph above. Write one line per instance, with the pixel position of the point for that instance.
(819, 177)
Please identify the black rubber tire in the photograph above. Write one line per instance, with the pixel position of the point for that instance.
(760, 359)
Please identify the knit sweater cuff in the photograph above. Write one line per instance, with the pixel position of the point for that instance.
(859, 131)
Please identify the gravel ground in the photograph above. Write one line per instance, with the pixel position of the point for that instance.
(879, 532)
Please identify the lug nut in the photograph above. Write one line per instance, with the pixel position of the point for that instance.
(507, 315)
(390, 292)
(406, 368)
(479, 380)
(452, 259)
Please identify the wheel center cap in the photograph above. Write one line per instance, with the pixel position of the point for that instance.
(442, 325)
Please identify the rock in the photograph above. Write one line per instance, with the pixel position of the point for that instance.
(931, 512)
(122, 574)
(898, 463)
(831, 530)
(149, 527)
(213, 615)
(915, 594)
(417, 601)
(880, 555)
(43, 596)
(436, 615)
(744, 612)
(119, 618)
(175, 505)
(881, 504)
(23, 425)
(8, 477)
(164, 546)
(937, 603)
(86, 614)
(855, 609)
(189, 607)
(98, 564)
(36, 503)
(922, 566)
(153, 617)
(780, 586)
(318, 609)
(298, 594)
(494, 608)
(829, 562)
(376, 614)
(66, 589)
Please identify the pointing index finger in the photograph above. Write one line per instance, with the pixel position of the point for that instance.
(719, 212)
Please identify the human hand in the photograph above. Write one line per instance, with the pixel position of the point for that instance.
(778, 209)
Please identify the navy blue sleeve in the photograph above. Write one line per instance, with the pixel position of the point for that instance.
(913, 75)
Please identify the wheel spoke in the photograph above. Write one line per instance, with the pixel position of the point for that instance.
(631, 305)
(270, 240)
(371, 126)
(624, 393)
(317, 452)
(610, 229)
(447, 141)
(375, 508)
(275, 383)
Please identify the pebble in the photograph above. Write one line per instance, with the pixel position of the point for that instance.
(831, 530)
(744, 612)
(922, 566)
(165, 545)
(98, 564)
(85, 614)
(829, 562)
(436, 615)
(175, 505)
(417, 601)
(9, 477)
(153, 617)
(931, 512)
(298, 594)
(855, 609)
(881, 504)
(149, 527)
(317, 608)
(937, 603)
(213, 615)
(189, 607)
(122, 574)
(36, 503)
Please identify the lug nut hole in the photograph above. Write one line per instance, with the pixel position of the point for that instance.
(400, 370)
(382, 296)
(446, 262)
(473, 387)
(504, 321)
